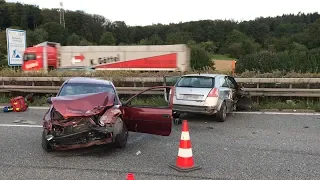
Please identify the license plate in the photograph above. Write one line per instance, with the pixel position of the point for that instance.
(191, 96)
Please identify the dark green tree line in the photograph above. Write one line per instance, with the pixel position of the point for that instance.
(263, 44)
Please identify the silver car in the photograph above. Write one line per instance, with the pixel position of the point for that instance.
(210, 94)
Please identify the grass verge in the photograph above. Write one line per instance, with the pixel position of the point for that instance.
(289, 104)
(117, 75)
(157, 101)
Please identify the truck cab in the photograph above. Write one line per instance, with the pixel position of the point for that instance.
(35, 57)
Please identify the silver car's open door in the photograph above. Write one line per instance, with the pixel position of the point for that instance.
(169, 81)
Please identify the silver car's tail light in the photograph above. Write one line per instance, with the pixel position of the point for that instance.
(212, 98)
(214, 92)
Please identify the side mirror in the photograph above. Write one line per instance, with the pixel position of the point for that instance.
(49, 101)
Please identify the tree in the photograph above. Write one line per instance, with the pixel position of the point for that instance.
(37, 36)
(3, 49)
(238, 44)
(200, 59)
(73, 40)
(297, 47)
(313, 35)
(85, 43)
(235, 50)
(178, 38)
(209, 46)
(120, 31)
(56, 32)
(3, 42)
(288, 38)
(191, 43)
(152, 40)
(107, 39)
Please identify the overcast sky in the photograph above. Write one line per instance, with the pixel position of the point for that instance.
(147, 12)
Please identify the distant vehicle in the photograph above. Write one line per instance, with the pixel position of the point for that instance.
(210, 94)
(88, 112)
(51, 55)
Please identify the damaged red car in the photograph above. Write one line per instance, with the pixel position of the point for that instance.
(88, 111)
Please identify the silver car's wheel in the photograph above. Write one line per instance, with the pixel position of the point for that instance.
(222, 114)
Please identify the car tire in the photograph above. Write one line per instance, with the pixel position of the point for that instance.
(176, 114)
(222, 114)
(177, 121)
(121, 139)
(44, 142)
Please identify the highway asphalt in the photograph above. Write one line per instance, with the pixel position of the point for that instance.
(246, 146)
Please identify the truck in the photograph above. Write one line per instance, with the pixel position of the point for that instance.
(50, 55)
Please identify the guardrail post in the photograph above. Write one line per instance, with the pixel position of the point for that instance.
(290, 86)
(308, 87)
(258, 85)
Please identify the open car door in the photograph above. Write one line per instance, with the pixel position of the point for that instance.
(244, 101)
(148, 112)
(169, 81)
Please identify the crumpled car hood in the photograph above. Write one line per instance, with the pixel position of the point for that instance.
(82, 105)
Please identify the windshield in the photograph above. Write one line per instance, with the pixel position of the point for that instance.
(196, 82)
(83, 88)
(27, 57)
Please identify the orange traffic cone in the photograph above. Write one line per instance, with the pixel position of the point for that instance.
(185, 161)
(130, 176)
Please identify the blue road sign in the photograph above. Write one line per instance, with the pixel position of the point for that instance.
(16, 45)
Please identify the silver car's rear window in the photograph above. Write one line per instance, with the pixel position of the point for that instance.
(196, 82)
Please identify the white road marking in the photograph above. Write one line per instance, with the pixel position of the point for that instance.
(20, 125)
(279, 113)
(34, 107)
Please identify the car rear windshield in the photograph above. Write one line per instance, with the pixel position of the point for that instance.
(27, 57)
(84, 88)
(196, 82)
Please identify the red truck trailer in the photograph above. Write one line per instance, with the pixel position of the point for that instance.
(50, 55)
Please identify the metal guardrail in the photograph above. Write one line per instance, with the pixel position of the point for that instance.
(293, 92)
(133, 90)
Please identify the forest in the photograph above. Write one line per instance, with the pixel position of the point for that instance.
(287, 43)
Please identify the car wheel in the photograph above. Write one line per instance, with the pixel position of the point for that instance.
(44, 142)
(222, 114)
(121, 137)
(176, 114)
(177, 121)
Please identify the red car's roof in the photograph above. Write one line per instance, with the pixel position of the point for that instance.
(88, 80)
